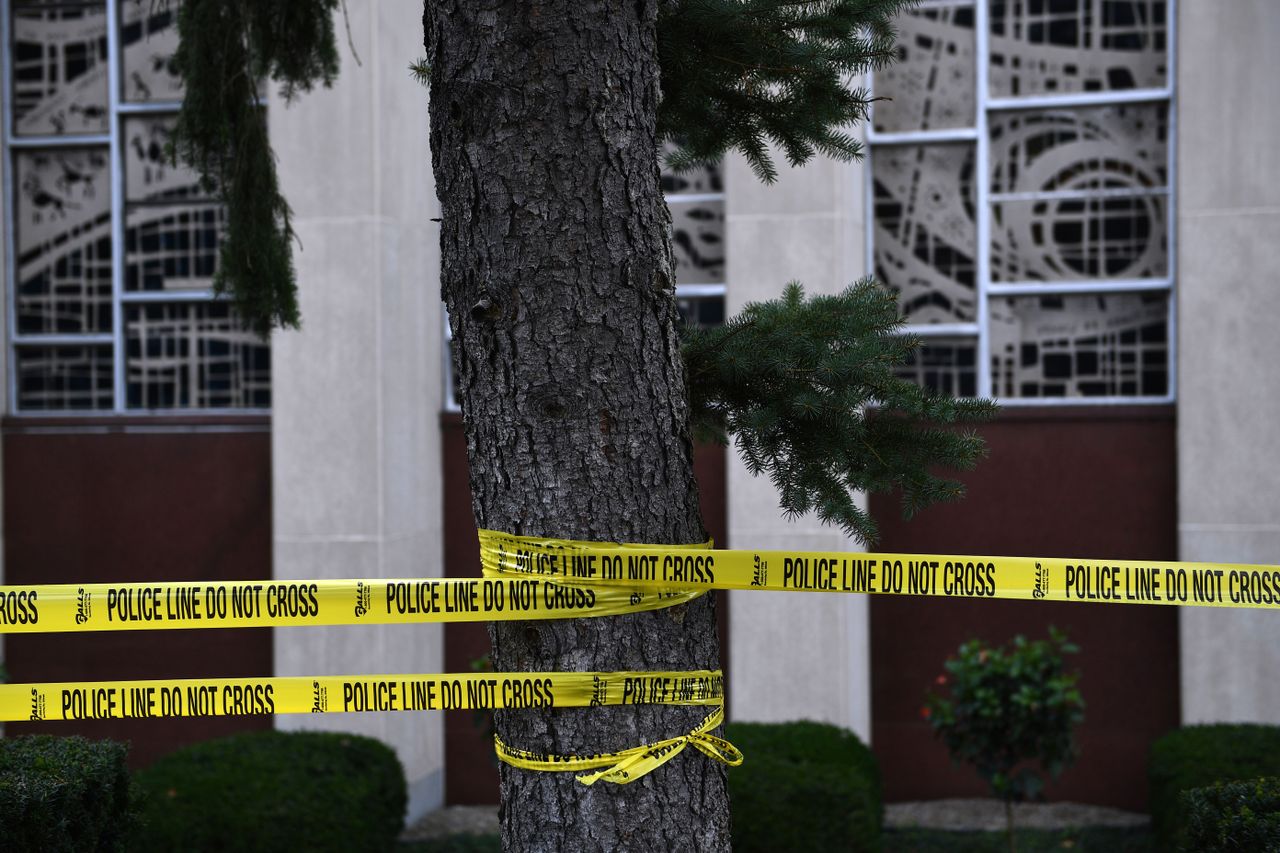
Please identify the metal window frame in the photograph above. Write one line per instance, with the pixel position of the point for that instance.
(978, 135)
(118, 109)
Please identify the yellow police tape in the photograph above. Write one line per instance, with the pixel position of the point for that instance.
(605, 565)
(541, 578)
(250, 604)
(219, 697)
(629, 764)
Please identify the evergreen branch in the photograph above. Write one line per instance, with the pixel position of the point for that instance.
(226, 48)
(808, 391)
(351, 42)
(777, 73)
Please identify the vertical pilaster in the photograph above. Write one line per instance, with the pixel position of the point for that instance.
(357, 392)
(794, 656)
(1228, 349)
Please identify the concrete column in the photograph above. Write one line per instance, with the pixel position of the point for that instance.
(1228, 348)
(794, 656)
(356, 444)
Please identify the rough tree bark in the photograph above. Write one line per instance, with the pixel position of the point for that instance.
(558, 277)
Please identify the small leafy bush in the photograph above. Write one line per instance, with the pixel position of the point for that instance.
(63, 794)
(803, 786)
(1236, 817)
(1010, 708)
(274, 791)
(1197, 757)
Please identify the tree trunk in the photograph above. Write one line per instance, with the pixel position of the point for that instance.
(558, 275)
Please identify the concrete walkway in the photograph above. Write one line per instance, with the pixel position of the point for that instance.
(454, 820)
(988, 814)
(966, 814)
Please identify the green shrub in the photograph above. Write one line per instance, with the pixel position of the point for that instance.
(1007, 705)
(63, 793)
(274, 791)
(803, 786)
(1236, 817)
(1199, 756)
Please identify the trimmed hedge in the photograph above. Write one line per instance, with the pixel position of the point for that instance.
(1197, 757)
(274, 791)
(63, 794)
(1236, 817)
(803, 786)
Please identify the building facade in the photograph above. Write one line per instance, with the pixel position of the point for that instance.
(1074, 200)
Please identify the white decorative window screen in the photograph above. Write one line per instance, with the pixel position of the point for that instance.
(696, 201)
(111, 248)
(1021, 198)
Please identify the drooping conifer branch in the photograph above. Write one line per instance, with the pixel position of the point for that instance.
(737, 75)
(228, 51)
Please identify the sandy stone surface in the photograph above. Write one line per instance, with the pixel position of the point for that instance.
(454, 820)
(988, 814)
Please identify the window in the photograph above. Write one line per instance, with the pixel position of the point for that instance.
(111, 249)
(1021, 198)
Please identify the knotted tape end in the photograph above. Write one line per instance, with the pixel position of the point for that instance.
(628, 765)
